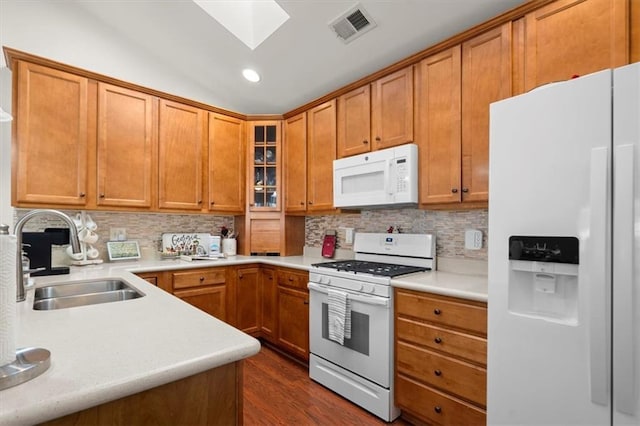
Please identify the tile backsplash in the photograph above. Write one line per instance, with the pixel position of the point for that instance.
(448, 226)
(147, 228)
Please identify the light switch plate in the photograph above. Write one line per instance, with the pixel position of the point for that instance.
(472, 239)
(348, 235)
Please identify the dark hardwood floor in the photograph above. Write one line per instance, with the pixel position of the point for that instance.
(278, 391)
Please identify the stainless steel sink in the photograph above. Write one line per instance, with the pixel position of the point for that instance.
(83, 293)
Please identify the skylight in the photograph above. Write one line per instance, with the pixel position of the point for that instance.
(251, 21)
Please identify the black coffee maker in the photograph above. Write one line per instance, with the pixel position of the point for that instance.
(37, 247)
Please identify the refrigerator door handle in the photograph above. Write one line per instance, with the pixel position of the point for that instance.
(597, 275)
(623, 320)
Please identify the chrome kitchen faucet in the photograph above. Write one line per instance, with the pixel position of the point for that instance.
(73, 239)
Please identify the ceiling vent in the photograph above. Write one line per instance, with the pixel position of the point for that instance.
(352, 24)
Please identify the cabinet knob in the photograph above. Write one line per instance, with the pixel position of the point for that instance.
(306, 302)
(101, 195)
(465, 189)
(199, 201)
(82, 195)
(302, 203)
(365, 141)
(212, 203)
(437, 311)
(437, 340)
(454, 190)
(378, 138)
(310, 202)
(437, 373)
(437, 409)
(240, 276)
(250, 204)
(201, 279)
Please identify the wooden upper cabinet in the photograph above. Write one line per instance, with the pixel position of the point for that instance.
(127, 147)
(354, 122)
(181, 156)
(265, 159)
(321, 151)
(486, 78)
(52, 137)
(574, 37)
(295, 163)
(226, 164)
(438, 81)
(392, 109)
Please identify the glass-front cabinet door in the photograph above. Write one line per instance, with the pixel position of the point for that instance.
(264, 165)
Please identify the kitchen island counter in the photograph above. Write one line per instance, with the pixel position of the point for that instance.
(100, 353)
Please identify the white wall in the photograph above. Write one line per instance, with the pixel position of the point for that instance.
(62, 31)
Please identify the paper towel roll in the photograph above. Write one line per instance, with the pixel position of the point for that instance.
(7, 299)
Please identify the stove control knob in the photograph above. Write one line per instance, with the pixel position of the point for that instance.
(368, 289)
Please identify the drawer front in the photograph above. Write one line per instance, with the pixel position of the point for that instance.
(444, 311)
(198, 277)
(447, 374)
(472, 348)
(435, 407)
(293, 279)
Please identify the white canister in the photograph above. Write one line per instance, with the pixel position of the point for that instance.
(229, 246)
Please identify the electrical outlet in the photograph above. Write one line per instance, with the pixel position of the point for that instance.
(117, 234)
(472, 239)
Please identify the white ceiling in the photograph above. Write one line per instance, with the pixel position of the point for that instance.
(301, 61)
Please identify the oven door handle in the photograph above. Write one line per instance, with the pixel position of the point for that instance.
(363, 298)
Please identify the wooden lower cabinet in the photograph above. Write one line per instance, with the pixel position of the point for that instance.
(269, 308)
(204, 288)
(248, 303)
(441, 358)
(213, 397)
(264, 301)
(293, 312)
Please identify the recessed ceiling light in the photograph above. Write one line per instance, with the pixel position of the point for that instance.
(251, 21)
(251, 75)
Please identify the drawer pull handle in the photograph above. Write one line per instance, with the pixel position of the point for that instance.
(437, 373)
(437, 340)
(437, 409)
(437, 311)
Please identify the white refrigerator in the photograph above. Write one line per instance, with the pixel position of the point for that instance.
(564, 254)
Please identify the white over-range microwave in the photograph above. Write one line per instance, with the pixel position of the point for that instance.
(385, 178)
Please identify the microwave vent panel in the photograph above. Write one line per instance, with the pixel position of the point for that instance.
(352, 24)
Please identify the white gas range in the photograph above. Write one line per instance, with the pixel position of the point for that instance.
(361, 368)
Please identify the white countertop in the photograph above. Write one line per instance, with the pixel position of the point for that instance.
(100, 353)
(103, 352)
(471, 287)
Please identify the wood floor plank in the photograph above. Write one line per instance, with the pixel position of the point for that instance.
(278, 391)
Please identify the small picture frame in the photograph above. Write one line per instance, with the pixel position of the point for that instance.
(123, 250)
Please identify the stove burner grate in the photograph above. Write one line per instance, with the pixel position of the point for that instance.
(373, 268)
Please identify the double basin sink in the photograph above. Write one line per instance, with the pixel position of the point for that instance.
(82, 293)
